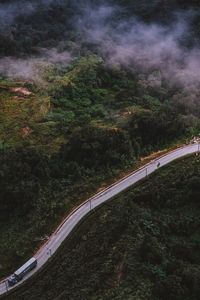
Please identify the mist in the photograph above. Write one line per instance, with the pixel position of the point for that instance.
(143, 47)
(128, 43)
(31, 68)
(10, 11)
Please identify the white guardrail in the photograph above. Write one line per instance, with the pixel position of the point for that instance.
(55, 240)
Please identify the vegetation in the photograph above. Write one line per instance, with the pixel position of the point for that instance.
(60, 143)
(27, 35)
(67, 129)
(144, 244)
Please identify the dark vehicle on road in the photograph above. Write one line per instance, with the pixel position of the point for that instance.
(22, 271)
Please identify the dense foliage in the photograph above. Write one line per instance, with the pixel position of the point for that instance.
(68, 128)
(89, 124)
(145, 244)
(59, 145)
(55, 21)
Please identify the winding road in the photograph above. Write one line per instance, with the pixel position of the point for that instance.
(55, 240)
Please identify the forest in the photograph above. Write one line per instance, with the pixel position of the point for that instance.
(52, 22)
(87, 89)
(144, 244)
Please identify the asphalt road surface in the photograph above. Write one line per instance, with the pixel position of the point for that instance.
(55, 240)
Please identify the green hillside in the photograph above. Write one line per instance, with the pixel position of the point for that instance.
(87, 90)
(144, 244)
(63, 140)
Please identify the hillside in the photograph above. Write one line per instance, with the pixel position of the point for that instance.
(144, 244)
(61, 142)
(87, 90)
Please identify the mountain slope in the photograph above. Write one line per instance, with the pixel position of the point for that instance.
(142, 245)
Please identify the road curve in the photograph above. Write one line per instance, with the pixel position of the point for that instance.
(55, 240)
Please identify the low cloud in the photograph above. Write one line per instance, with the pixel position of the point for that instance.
(130, 43)
(143, 47)
(10, 11)
(31, 68)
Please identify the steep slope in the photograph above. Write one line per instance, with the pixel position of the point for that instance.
(142, 245)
